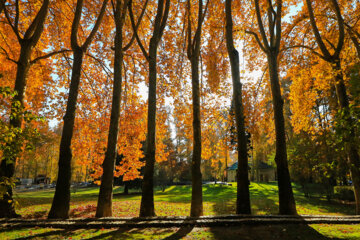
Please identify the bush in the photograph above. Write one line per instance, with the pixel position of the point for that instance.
(344, 193)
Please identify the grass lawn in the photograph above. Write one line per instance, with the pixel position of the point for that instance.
(175, 201)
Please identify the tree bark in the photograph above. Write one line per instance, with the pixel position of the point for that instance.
(272, 48)
(193, 52)
(27, 43)
(147, 196)
(286, 197)
(104, 207)
(61, 202)
(343, 100)
(196, 193)
(243, 195)
(147, 200)
(352, 148)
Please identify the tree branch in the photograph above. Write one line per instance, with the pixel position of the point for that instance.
(318, 38)
(96, 26)
(102, 64)
(306, 47)
(131, 14)
(340, 21)
(9, 22)
(257, 40)
(7, 55)
(127, 46)
(261, 26)
(165, 17)
(278, 24)
(35, 29)
(16, 24)
(49, 55)
(75, 25)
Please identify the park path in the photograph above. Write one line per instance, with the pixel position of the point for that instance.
(161, 222)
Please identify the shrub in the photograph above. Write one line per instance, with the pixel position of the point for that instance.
(344, 193)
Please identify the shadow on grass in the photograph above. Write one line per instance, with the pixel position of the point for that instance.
(136, 233)
(326, 206)
(182, 232)
(63, 233)
(269, 232)
(262, 199)
(112, 234)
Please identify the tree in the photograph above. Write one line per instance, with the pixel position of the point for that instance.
(271, 47)
(104, 208)
(193, 53)
(13, 142)
(27, 43)
(147, 197)
(243, 195)
(340, 87)
(60, 205)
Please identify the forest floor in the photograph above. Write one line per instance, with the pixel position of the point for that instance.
(175, 201)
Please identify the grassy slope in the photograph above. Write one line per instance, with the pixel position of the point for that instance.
(175, 202)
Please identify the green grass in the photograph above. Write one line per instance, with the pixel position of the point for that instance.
(175, 201)
(218, 200)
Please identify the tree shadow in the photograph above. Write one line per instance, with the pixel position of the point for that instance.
(64, 232)
(181, 233)
(261, 231)
(113, 234)
(269, 232)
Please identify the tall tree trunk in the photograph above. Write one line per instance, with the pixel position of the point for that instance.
(147, 196)
(147, 199)
(343, 101)
(352, 148)
(7, 166)
(286, 197)
(272, 48)
(61, 202)
(104, 207)
(7, 209)
(243, 195)
(193, 52)
(196, 193)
